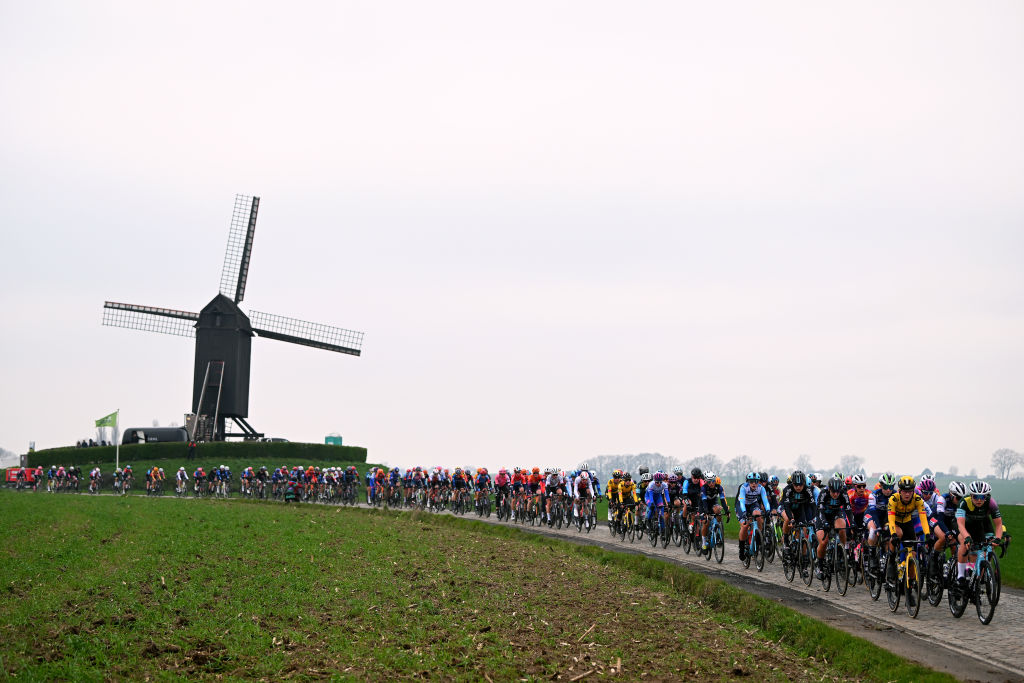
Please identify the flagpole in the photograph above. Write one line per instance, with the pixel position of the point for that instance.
(117, 441)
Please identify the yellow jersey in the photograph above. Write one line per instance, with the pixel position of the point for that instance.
(627, 492)
(612, 489)
(901, 514)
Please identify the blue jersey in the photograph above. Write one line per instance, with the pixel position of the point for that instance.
(752, 499)
(656, 494)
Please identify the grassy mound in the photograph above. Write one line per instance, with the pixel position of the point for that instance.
(249, 451)
(128, 587)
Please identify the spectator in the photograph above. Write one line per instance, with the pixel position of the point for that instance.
(192, 450)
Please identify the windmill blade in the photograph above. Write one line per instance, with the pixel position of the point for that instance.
(150, 318)
(236, 259)
(306, 333)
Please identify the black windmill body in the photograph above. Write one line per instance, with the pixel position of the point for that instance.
(223, 333)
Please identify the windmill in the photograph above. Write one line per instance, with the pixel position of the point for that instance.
(223, 334)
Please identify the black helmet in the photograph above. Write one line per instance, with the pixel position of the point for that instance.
(798, 478)
(836, 485)
(643, 469)
(763, 477)
(627, 476)
(696, 473)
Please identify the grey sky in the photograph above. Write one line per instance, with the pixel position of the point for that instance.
(566, 228)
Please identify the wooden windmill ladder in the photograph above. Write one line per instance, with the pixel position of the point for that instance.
(213, 381)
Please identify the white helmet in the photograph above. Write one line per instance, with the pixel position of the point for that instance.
(181, 469)
(584, 475)
(646, 476)
(957, 489)
(980, 488)
(585, 466)
(858, 479)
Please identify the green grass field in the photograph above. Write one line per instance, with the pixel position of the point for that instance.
(107, 587)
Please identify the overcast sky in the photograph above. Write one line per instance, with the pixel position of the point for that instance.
(566, 228)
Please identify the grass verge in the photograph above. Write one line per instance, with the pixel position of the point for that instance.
(127, 587)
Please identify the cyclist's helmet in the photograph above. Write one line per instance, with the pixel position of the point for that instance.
(838, 475)
(161, 470)
(980, 488)
(906, 483)
(858, 480)
(774, 481)
(585, 466)
(673, 479)
(584, 475)
(709, 476)
(762, 477)
(660, 476)
(695, 473)
(458, 470)
(646, 476)
(957, 488)
(836, 485)
(798, 478)
(718, 481)
(928, 486)
(927, 477)
(849, 480)
(644, 469)
(180, 469)
(536, 470)
(617, 474)
(753, 477)
(515, 470)
(677, 470)
(887, 480)
(626, 476)
(815, 479)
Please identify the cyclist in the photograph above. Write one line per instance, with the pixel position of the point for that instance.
(977, 516)
(935, 504)
(904, 506)
(626, 494)
(182, 480)
(712, 502)
(751, 501)
(643, 481)
(878, 513)
(860, 499)
(833, 507)
(482, 484)
(503, 485)
(552, 486)
(798, 504)
(690, 492)
(612, 491)
(656, 496)
(582, 490)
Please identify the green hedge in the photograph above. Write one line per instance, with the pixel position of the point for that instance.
(285, 452)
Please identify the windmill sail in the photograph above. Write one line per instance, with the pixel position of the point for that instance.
(150, 318)
(306, 333)
(236, 258)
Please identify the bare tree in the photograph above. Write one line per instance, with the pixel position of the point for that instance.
(706, 462)
(738, 467)
(973, 473)
(803, 463)
(1004, 460)
(851, 464)
(156, 422)
(954, 470)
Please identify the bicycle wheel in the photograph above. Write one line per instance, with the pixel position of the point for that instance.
(997, 578)
(685, 539)
(841, 569)
(873, 581)
(933, 583)
(913, 585)
(789, 561)
(956, 596)
(986, 592)
(892, 584)
(826, 573)
(804, 563)
(666, 534)
(631, 527)
(719, 544)
(677, 531)
(746, 553)
(652, 530)
(759, 550)
(769, 544)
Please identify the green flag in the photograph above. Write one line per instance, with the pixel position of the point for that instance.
(108, 421)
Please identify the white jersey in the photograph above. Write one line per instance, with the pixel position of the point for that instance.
(589, 492)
